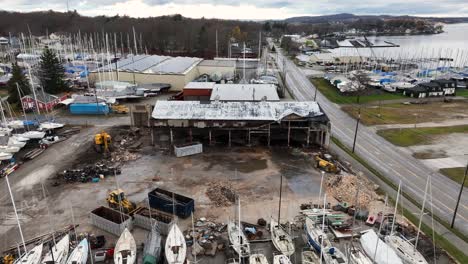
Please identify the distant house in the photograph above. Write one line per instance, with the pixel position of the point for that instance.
(45, 101)
(430, 89)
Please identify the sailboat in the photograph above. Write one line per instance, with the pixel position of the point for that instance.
(281, 259)
(258, 259)
(152, 250)
(5, 156)
(32, 134)
(50, 125)
(238, 239)
(315, 236)
(357, 256)
(9, 149)
(405, 250)
(175, 248)
(80, 254)
(59, 252)
(31, 257)
(125, 249)
(377, 250)
(309, 257)
(281, 239)
(333, 255)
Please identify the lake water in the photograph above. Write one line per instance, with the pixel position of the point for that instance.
(453, 43)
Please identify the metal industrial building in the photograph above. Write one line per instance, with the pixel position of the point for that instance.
(147, 69)
(240, 123)
(244, 92)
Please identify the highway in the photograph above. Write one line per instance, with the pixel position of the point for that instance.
(381, 154)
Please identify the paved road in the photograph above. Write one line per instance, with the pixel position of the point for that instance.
(381, 154)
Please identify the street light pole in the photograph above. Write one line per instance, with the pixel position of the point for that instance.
(357, 126)
(459, 196)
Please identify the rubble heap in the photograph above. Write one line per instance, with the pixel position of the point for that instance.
(89, 172)
(221, 193)
(343, 188)
(206, 238)
(125, 145)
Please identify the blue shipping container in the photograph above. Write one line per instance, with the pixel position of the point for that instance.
(163, 200)
(89, 109)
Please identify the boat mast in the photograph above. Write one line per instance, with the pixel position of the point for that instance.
(16, 212)
(323, 226)
(380, 227)
(239, 229)
(396, 207)
(422, 213)
(280, 194)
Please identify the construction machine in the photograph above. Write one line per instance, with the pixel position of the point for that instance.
(8, 259)
(326, 163)
(117, 200)
(102, 142)
(120, 109)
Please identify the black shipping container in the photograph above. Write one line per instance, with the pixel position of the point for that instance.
(163, 200)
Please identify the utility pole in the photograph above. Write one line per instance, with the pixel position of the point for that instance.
(459, 196)
(357, 126)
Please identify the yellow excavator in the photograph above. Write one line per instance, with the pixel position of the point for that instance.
(102, 142)
(8, 259)
(325, 163)
(117, 200)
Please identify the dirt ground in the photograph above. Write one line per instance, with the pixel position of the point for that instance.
(253, 173)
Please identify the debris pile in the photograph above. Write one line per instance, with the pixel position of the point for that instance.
(343, 187)
(206, 238)
(125, 144)
(89, 173)
(221, 193)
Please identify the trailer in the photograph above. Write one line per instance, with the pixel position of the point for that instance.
(141, 217)
(111, 220)
(170, 202)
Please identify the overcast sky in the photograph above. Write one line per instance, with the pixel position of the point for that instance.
(244, 9)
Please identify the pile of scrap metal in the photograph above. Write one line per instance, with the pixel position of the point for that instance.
(89, 173)
(206, 237)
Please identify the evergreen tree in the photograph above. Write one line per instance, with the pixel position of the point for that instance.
(51, 72)
(17, 78)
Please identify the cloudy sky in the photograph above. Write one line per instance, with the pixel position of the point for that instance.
(245, 9)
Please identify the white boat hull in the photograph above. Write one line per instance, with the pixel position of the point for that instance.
(281, 259)
(80, 254)
(258, 259)
(50, 126)
(238, 240)
(33, 134)
(405, 250)
(32, 257)
(5, 156)
(59, 252)
(175, 248)
(125, 249)
(281, 239)
(384, 253)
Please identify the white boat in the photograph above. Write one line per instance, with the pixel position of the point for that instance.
(309, 257)
(405, 250)
(315, 236)
(281, 239)
(33, 256)
(258, 259)
(5, 131)
(80, 254)
(5, 156)
(125, 249)
(357, 256)
(384, 253)
(9, 149)
(175, 248)
(19, 138)
(238, 240)
(333, 255)
(281, 259)
(59, 253)
(50, 126)
(16, 124)
(32, 134)
(13, 142)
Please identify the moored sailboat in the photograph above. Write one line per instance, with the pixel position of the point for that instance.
(59, 252)
(175, 248)
(125, 249)
(79, 255)
(33, 256)
(281, 239)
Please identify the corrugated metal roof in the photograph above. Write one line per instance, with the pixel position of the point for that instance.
(143, 64)
(244, 92)
(218, 63)
(254, 111)
(177, 65)
(200, 85)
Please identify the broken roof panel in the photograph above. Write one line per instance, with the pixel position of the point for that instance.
(233, 111)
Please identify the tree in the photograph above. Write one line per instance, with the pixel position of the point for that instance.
(51, 72)
(17, 78)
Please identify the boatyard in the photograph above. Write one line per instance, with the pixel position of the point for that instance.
(246, 144)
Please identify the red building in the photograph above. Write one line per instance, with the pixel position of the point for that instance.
(198, 91)
(44, 101)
